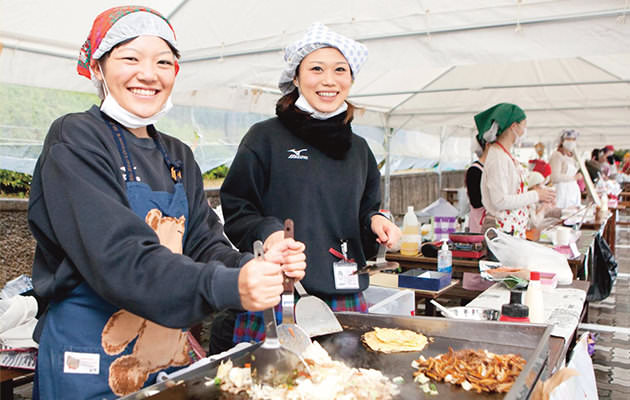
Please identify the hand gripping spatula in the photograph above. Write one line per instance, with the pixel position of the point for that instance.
(291, 335)
(272, 363)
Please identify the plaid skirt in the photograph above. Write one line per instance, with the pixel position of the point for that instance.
(250, 326)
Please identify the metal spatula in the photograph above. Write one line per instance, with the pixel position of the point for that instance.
(272, 363)
(291, 336)
(379, 265)
(314, 315)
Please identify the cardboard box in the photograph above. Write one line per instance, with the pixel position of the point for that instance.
(384, 279)
(423, 280)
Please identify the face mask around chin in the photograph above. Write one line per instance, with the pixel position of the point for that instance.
(114, 110)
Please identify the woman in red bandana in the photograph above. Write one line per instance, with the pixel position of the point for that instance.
(128, 253)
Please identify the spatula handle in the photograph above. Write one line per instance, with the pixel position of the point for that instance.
(288, 301)
(269, 318)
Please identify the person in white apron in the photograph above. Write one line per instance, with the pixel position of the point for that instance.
(564, 171)
(503, 184)
(127, 257)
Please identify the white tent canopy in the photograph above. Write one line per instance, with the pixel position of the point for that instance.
(433, 64)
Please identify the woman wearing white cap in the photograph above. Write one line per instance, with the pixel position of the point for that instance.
(308, 165)
(127, 256)
(564, 171)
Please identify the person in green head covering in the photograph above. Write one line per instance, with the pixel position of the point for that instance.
(504, 190)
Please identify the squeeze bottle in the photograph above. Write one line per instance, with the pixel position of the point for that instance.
(409, 243)
(534, 298)
(445, 259)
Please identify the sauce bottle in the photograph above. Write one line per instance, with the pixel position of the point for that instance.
(534, 298)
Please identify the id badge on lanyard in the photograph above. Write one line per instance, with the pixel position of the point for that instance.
(344, 271)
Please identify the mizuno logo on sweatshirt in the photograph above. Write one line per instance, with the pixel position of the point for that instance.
(297, 154)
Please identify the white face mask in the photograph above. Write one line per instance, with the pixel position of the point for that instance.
(519, 139)
(304, 105)
(569, 145)
(129, 120)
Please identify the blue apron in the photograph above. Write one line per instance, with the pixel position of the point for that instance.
(90, 349)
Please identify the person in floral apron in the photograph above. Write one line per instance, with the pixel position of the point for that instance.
(128, 253)
(505, 195)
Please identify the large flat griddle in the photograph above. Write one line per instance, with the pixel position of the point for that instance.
(531, 341)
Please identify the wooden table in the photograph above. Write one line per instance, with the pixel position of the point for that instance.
(461, 265)
(13, 377)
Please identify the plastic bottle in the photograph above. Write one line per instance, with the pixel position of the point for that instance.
(445, 259)
(534, 298)
(410, 237)
(515, 311)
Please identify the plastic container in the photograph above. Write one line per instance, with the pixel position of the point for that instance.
(410, 237)
(515, 311)
(534, 298)
(390, 301)
(445, 259)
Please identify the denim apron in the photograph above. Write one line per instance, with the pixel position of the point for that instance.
(90, 349)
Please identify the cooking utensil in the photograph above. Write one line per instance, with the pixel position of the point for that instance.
(471, 313)
(379, 265)
(314, 315)
(445, 311)
(291, 336)
(466, 237)
(272, 363)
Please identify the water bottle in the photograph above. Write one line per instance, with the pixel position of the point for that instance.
(445, 259)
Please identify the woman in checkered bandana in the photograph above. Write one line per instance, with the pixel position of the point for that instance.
(308, 165)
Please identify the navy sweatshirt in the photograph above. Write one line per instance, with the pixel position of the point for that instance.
(87, 232)
(276, 175)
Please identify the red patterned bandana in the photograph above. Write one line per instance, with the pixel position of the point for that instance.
(103, 22)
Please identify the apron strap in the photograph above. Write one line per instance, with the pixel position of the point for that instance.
(175, 168)
(121, 143)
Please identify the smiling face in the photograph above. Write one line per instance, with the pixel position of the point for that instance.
(324, 79)
(140, 74)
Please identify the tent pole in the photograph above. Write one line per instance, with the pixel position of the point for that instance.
(442, 139)
(387, 137)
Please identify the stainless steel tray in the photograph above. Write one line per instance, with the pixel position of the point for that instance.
(531, 341)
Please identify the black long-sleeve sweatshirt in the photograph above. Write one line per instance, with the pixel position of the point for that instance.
(277, 175)
(87, 232)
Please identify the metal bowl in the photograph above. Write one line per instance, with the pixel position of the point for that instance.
(473, 313)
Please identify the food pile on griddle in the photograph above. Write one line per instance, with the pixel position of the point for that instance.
(328, 380)
(479, 370)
